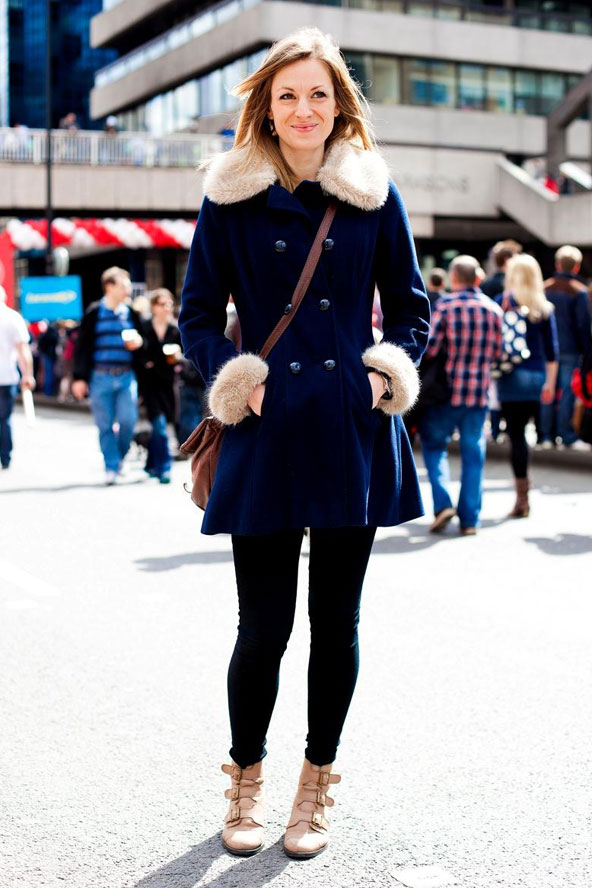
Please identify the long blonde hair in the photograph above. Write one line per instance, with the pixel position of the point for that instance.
(524, 280)
(252, 130)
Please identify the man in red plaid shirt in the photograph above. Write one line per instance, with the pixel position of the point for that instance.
(468, 325)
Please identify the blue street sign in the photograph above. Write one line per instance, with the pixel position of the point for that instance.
(51, 298)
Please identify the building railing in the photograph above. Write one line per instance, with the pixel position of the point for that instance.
(218, 13)
(96, 148)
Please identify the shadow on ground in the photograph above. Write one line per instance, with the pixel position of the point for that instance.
(563, 544)
(188, 870)
(172, 562)
(63, 487)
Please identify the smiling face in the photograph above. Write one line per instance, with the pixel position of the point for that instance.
(303, 107)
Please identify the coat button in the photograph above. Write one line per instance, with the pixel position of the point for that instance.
(280, 246)
(324, 304)
(329, 365)
(328, 243)
(288, 308)
(295, 367)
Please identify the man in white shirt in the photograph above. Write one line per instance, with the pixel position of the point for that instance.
(14, 354)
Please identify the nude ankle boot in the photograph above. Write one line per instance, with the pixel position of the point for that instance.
(243, 825)
(307, 831)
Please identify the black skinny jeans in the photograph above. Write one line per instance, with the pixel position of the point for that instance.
(266, 569)
(517, 414)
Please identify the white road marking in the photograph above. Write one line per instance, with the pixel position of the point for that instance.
(424, 877)
(25, 581)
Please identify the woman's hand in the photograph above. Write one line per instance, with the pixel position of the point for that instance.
(547, 394)
(378, 387)
(256, 399)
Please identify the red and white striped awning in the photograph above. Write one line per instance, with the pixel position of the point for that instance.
(89, 233)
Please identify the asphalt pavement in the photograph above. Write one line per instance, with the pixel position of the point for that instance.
(466, 758)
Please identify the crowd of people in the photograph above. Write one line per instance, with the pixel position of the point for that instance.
(477, 364)
(124, 357)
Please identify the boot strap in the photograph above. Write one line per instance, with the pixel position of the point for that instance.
(243, 809)
(318, 822)
(238, 791)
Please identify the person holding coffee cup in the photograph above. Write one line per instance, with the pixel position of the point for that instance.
(162, 354)
(107, 359)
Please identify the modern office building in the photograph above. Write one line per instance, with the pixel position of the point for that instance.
(23, 34)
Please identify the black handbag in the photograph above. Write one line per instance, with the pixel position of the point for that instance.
(435, 384)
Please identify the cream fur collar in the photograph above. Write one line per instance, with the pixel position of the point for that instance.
(350, 174)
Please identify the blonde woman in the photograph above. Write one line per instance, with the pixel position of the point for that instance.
(532, 382)
(313, 435)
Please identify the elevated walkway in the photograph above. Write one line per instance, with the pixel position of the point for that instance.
(555, 219)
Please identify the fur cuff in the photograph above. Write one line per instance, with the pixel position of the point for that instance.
(394, 361)
(233, 385)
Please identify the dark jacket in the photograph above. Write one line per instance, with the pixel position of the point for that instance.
(570, 298)
(85, 343)
(318, 455)
(494, 284)
(157, 379)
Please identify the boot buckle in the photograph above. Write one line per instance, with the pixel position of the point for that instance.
(235, 814)
(321, 798)
(324, 778)
(318, 822)
(235, 793)
(236, 773)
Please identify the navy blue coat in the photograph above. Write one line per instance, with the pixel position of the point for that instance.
(318, 455)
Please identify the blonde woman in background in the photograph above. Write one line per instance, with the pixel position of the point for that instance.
(532, 382)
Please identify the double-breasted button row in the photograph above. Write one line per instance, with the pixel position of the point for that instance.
(281, 245)
(296, 366)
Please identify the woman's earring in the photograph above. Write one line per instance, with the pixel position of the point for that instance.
(272, 129)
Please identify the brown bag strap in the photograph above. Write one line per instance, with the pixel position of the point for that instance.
(305, 279)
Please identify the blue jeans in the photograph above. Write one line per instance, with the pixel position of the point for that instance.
(114, 398)
(436, 428)
(190, 411)
(48, 365)
(7, 393)
(159, 457)
(561, 411)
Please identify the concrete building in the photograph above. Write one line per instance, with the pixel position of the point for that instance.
(456, 88)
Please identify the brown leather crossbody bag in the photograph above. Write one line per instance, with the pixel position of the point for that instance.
(205, 441)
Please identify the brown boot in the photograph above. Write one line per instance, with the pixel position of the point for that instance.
(243, 825)
(307, 831)
(521, 506)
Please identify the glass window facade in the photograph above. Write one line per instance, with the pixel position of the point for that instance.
(23, 27)
(178, 109)
(471, 87)
(384, 79)
(499, 90)
(3, 63)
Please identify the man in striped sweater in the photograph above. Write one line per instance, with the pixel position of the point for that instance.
(108, 354)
